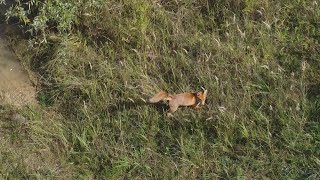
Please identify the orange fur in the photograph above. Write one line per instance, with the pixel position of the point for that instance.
(182, 99)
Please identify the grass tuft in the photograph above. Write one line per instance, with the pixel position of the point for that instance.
(99, 62)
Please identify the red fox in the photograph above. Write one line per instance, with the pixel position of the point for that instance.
(183, 99)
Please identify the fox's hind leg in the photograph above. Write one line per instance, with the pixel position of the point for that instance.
(169, 114)
(172, 108)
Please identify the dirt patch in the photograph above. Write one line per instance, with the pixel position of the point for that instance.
(15, 86)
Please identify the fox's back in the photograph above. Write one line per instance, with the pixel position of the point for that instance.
(184, 99)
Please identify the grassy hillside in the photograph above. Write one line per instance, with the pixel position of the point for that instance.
(96, 62)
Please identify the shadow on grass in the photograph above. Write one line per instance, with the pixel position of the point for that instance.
(313, 94)
(129, 105)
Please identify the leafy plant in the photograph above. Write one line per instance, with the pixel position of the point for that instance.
(99, 61)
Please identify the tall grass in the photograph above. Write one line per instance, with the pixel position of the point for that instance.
(98, 62)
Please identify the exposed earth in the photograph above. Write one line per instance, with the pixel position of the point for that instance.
(15, 86)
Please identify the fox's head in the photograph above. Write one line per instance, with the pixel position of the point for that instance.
(202, 95)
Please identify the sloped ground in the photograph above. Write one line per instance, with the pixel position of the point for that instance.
(15, 86)
(258, 59)
(18, 116)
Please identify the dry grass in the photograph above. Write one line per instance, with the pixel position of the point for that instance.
(258, 59)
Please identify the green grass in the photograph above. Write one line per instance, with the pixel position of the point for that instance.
(96, 64)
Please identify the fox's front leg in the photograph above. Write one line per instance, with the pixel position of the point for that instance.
(196, 107)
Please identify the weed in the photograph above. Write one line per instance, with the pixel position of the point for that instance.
(99, 61)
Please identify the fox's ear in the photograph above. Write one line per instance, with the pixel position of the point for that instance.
(204, 90)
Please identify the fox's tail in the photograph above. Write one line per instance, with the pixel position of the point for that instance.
(161, 96)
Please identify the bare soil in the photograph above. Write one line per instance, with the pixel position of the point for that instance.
(15, 86)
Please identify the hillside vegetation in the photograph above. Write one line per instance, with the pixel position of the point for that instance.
(96, 62)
